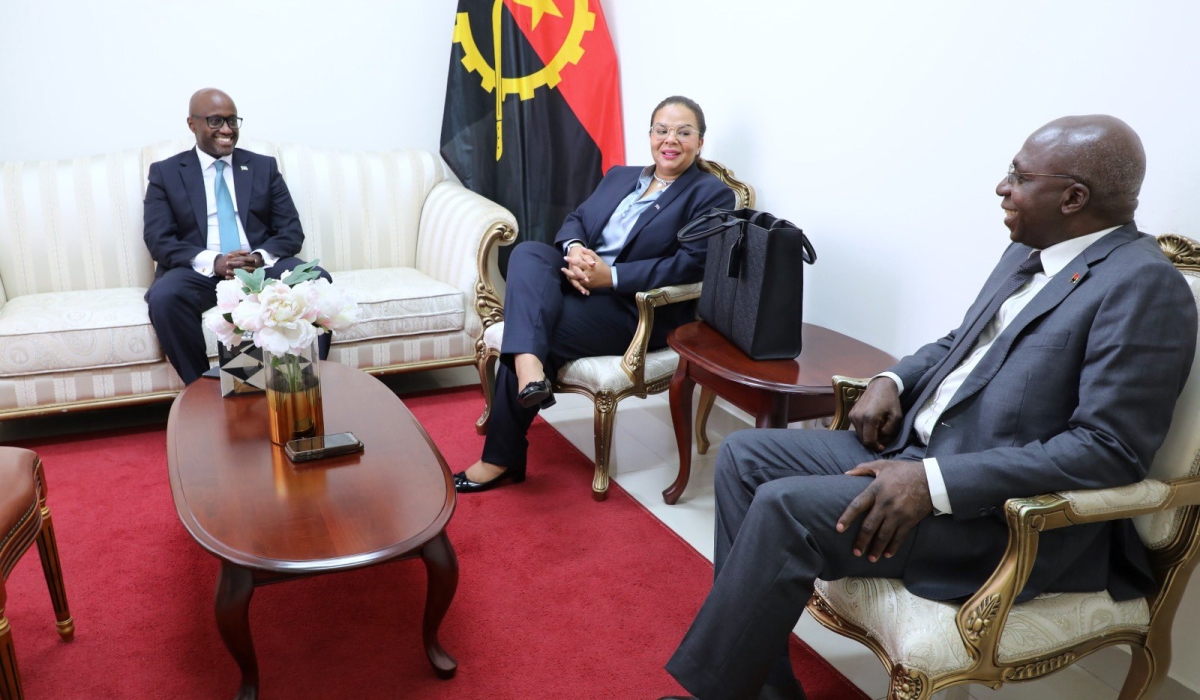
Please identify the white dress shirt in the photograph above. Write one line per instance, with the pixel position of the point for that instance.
(1054, 259)
(203, 262)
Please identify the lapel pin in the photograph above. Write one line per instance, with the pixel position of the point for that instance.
(1074, 278)
(247, 168)
(656, 206)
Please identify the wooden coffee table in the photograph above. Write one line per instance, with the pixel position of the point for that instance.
(776, 392)
(268, 520)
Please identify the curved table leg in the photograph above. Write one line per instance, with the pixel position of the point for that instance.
(708, 397)
(234, 588)
(441, 567)
(772, 411)
(681, 419)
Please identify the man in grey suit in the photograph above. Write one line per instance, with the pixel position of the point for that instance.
(1063, 375)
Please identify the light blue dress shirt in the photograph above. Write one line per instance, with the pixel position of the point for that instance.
(620, 224)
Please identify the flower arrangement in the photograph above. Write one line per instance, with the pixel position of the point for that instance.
(283, 317)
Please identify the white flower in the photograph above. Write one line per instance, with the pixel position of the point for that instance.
(280, 319)
(225, 331)
(229, 294)
(290, 337)
(336, 310)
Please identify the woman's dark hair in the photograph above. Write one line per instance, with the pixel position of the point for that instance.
(686, 102)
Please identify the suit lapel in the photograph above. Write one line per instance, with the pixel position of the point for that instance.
(243, 180)
(1066, 281)
(193, 184)
(664, 200)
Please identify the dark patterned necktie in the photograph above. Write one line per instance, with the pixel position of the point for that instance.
(962, 346)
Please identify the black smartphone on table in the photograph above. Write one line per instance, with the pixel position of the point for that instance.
(307, 449)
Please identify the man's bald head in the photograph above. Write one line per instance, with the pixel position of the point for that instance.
(212, 104)
(1101, 152)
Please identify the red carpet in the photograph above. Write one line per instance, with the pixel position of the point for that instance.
(559, 596)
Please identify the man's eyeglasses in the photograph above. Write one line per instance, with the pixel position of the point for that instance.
(683, 133)
(216, 122)
(1015, 176)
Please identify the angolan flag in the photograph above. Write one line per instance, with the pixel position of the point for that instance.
(533, 106)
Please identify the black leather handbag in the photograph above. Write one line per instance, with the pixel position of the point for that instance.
(753, 279)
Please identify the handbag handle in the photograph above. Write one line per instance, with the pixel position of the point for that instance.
(689, 232)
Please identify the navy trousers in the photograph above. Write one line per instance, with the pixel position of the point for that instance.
(180, 297)
(545, 316)
(779, 496)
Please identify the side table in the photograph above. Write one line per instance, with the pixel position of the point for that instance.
(776, 392)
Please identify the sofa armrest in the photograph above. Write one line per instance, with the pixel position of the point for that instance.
(457, 242)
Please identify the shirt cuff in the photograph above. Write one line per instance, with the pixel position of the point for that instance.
(937, 487)
(203, 262)
(567, 246)
(268, 259)
(612, 270)
(895, 378)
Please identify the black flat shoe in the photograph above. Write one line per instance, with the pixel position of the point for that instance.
(536, 394)
(464, 485)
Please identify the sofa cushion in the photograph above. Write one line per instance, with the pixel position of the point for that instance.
(60, 331)
(394, 302)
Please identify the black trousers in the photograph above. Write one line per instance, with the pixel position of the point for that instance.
(545, 316)
(779, 496)
(179, 298)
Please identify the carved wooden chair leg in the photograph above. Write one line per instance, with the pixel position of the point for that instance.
(487, 381)
(1141, 681)
(707, 398)
(606, 411)
(10, 680)
(51, 567)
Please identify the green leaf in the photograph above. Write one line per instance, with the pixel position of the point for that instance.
(252, 282)
(301, 273)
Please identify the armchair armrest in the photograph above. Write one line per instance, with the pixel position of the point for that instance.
(633, 363)
(985, 613)
(846, 392)
(459, 234)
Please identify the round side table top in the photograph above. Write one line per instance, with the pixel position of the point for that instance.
(823, 354)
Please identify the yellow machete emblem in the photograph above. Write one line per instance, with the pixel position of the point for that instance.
(571, 51)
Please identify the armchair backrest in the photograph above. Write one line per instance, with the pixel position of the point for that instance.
(1179, 455)
(744, 192)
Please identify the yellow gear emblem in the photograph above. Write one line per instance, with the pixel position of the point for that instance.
(582, 21)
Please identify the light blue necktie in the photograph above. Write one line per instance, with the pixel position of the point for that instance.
(226, 219)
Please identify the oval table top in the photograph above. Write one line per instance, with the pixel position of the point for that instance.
(242, 499)
(823, 354)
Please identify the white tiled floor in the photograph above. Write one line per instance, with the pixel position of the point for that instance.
(645, 463)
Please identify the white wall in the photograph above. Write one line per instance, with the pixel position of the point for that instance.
(880, 127)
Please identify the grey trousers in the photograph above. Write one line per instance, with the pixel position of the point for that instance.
(779, 495)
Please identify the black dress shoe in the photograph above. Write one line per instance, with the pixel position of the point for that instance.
(536, 394)
(464, 485)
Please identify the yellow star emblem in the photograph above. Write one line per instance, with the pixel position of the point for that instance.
(540, 7)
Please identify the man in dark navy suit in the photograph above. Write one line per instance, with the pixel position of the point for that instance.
(209, 211)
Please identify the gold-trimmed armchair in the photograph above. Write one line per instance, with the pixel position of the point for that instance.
(928, 646)
(607, 379)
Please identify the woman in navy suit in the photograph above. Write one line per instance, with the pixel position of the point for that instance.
(576, 298)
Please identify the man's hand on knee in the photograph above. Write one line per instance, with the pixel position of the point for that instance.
(893, 504)
(877, 414)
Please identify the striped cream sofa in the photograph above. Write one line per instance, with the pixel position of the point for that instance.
(415, 248)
